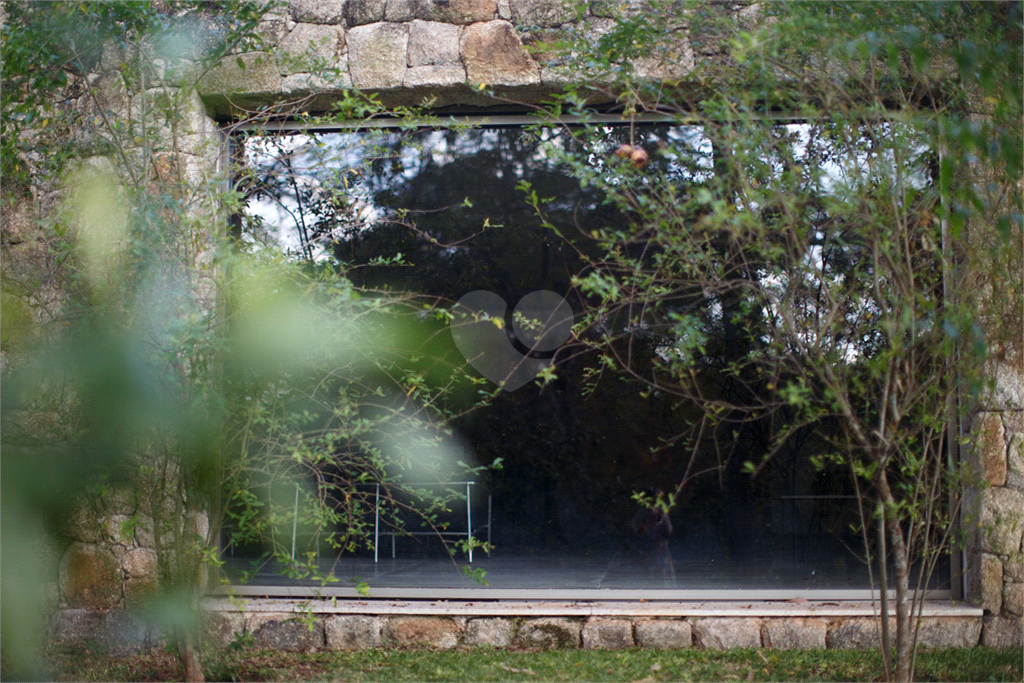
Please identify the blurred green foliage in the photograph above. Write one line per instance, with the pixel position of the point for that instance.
(184, 375)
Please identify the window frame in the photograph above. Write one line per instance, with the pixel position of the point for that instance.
(229, 151)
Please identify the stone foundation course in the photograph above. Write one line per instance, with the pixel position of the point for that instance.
(279, 625)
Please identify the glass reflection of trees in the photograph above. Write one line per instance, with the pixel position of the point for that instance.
(444, 212)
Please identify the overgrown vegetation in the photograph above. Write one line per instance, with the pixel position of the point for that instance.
(813, 252)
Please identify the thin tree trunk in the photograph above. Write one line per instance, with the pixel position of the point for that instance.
(901, 568)
(189, 658)
(883, 573)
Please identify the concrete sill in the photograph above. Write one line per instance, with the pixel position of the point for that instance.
(607, 608)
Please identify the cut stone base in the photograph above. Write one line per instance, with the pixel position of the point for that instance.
(1002, 632)
(550, 633)
(278, 624)
(949, 632)
(607, 634)
(489, 633)
(433, 632)
(666, 634)
(117, 631)
(285, 631)
(352, 632)
(857, 633)
(223, 628)
(722, 634)
(794, 634)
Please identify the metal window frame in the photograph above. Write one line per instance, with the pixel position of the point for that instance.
(228, 133)
(570, 594)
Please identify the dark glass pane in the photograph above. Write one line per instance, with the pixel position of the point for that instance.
(561, 511)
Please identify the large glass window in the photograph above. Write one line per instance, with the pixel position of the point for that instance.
(441, 213)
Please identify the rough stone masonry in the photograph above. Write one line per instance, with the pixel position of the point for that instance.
(339, 625)
(410, 52)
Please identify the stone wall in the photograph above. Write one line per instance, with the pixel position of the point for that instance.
(411, 52)
(995, 562)
(111, 559)
(105, 559)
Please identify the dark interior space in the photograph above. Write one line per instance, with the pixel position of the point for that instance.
(562, 510)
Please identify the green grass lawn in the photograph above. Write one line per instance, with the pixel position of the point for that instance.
(974, 664)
